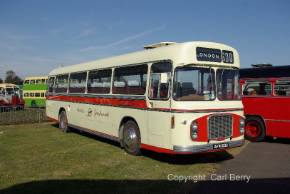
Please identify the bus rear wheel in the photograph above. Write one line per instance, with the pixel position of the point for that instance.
(255, 129)
(131, 138)
(62, 122)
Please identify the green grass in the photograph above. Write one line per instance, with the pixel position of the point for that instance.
(40, 153)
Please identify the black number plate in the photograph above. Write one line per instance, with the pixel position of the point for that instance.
(220, 146)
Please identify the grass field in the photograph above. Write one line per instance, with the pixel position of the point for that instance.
(38, 158)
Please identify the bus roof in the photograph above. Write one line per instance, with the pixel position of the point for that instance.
(36, 77)
(265, 72)
(7, 85)
(179, 53)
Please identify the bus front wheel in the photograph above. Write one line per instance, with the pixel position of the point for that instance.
(62, 122)
(255, 129)
(131, 138)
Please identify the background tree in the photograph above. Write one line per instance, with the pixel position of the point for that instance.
(12, 78)
(1, 81)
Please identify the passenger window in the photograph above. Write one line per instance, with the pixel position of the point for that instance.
(130, 80)
(77, 83)
(42, 95)
(32, 81)
(99, 81)
(160, 80)
(282, 88)
(31, 94)
(37, 94)
(257, 88)
(61, 84)
(50, 84)
(38, 81)
(26, 81)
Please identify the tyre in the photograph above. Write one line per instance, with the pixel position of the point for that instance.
(255, 129)
(131, 138)
(62, 122)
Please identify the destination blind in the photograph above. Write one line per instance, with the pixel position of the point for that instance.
(214, 55)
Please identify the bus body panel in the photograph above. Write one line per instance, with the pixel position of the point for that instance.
(183, 122)
(80, 116)
(35, 87)
(273, 108)
(275, 112)
(30, 102)
(96, 117)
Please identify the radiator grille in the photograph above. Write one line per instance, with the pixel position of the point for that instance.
(220, 126)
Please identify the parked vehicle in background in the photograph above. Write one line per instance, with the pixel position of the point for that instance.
(34, 91)
(178, 98)
(10, 97)
(266, 100)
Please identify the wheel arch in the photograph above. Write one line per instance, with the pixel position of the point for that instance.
(61, 109)
(260, 118)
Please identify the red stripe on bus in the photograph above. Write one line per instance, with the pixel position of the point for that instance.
(134, 103)
(157, 149)
(161, 150)
(102, 101)
(168, 151)
(198, 110)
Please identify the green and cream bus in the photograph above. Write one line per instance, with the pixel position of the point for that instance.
(177, 98)
(34, 91)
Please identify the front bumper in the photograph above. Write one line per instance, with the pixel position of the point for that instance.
(206, 147)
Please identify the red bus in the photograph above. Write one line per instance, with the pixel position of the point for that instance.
(266, 100)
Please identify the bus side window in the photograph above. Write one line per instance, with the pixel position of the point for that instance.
(51, 84)
(26, 81)
(263, 88)
(130, 80)
(61, 83)
(77, 82)
(2, 91)
(282, 88)
(99, 81)
(160, 80)
(32, 81)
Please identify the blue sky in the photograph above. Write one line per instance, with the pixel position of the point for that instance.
(37, 36)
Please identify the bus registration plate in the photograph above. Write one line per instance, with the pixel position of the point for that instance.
(220, 146)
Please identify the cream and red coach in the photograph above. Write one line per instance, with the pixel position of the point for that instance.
(178, 98)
